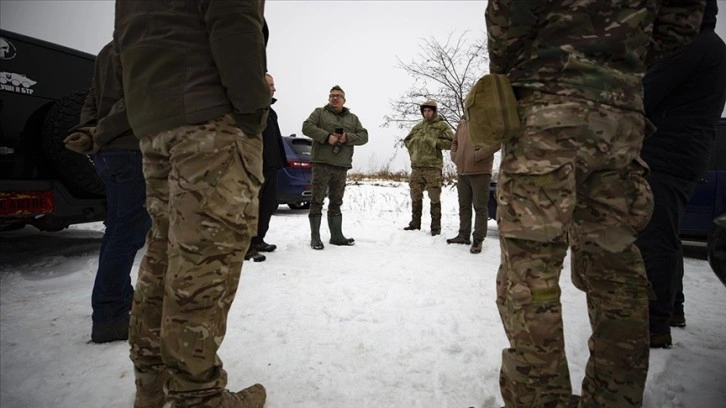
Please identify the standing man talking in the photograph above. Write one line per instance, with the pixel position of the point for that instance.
(194, 81)
(335, 130)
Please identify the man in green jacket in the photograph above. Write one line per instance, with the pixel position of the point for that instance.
(572, 179)
(424, 143)
(334, 130)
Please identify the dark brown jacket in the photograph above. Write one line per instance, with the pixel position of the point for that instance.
(470, 160)
(104, 107)
(191, 61)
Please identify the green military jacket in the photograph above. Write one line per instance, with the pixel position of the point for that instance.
(594, 50)
(426, 141)
(322, 123)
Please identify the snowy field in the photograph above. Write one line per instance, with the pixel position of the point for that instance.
(401, 319)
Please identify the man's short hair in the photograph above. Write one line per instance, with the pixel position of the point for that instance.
(338, 88)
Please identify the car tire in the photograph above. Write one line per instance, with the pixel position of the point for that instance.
(75, 170)
(299, 206)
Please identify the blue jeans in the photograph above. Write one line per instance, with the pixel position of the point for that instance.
(127, 223)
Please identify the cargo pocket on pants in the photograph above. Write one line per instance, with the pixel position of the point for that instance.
(640, 196)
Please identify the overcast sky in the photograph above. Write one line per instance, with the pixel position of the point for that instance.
(313, 45)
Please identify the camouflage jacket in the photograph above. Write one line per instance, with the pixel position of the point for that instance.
(322, 123)
(426, 141)
(596, 50)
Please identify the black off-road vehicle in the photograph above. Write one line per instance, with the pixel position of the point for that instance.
(42, 89)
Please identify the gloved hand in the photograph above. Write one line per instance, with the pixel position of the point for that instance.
(81, 141)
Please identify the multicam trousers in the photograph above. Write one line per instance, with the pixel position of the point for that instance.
(426, 179)
(573, 178)
(327, 180)
(202, 183)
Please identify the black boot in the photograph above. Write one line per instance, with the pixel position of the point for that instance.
(435, 219)
(335, 223)
(315, 242)
(416, 208)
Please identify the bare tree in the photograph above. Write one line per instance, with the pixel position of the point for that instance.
(444, 72)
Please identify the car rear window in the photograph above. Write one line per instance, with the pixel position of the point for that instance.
(301, 146)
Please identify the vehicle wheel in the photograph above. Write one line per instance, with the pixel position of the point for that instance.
(299, 206)
(75, 170)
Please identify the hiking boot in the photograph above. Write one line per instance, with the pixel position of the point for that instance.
(459, 239)
(661, 340)
(112, 331)
(677, 320)
(476, 246)
(254, 255)
(574, 402)
(263, 246)
(411, 227)
(435, 232)
(250, 397)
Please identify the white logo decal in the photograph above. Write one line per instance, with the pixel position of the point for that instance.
(17, 83)
(7, 49)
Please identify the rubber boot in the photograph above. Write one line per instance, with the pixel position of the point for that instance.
(315, 242)
(416, 208)
(435, 219)
(335, 223)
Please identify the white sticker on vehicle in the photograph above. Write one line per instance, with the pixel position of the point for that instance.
(17, 83)
(7, 49)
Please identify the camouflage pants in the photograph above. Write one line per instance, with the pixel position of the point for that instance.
(426, 179)
(327, 180)
(573, 178)
(202, 183)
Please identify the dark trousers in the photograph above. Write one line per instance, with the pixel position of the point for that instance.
(473, 191)
(661, 249)
(268, 204)
(127, 223)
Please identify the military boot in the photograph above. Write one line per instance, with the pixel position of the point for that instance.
(150, 389)
(416, 208)
(315, 242)
(435, 219)
(335, 223)
(250, 397)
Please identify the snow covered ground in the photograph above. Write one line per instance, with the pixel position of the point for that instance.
(401, 319)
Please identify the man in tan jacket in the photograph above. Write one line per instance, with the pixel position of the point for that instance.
(474, 172)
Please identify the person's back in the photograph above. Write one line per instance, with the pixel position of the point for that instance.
(182, 71)
(193, 76)
(572, 178)
(594, 50)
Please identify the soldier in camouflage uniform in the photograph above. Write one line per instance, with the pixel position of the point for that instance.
(573, 178)
(424, 143)
(200, 137)
(335, 130)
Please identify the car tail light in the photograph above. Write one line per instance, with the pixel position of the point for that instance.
(297, 164)
(27, 203)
